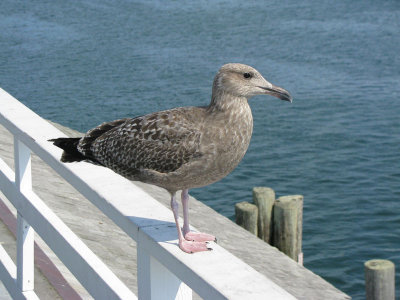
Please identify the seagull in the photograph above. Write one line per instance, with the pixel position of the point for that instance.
(180, 148)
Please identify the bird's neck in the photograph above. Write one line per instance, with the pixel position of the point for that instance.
(224, 102)
(229, 119)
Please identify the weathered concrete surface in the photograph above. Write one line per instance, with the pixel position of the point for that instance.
(118, 251)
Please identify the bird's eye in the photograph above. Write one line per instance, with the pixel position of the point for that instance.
(247, 75)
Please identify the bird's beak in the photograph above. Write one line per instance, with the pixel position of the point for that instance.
(277, 92)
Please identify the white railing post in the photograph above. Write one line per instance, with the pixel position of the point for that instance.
(155, 282)
(25, 233)
(25, 255)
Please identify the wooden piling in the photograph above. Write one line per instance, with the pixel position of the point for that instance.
(379, 279)
(264, 199)
(287, 225)
(247, 216)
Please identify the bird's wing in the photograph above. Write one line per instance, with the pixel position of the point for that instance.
(161, 141)
(85, 143)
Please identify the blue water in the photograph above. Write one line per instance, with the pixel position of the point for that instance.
(80, 63)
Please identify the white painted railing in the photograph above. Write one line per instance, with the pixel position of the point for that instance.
(164, 271)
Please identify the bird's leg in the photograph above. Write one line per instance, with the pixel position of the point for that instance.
(190, 235)
(186, 246)
(185, 205)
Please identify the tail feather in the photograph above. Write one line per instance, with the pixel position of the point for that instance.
(70, 147)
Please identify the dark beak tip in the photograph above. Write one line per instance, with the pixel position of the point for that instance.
(278, 93)
(286, 97)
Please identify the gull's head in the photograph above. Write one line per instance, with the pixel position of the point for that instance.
(244, 81)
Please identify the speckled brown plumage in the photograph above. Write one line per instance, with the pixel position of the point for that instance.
(184, 147)
(162, 141)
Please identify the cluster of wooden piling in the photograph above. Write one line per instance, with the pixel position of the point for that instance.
(278, 222)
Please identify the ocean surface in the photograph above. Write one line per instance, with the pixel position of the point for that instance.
(80, 63)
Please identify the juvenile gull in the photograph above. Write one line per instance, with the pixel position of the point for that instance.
(183, 147)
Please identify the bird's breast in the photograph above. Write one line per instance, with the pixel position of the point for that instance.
(226, 139)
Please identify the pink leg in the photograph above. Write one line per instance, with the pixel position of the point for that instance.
(190, 235)
(186, 246)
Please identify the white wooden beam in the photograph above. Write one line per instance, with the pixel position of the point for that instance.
(156, 282)
(25, 233)
(25, 255)
(94, 275)
(22, 162)
(8, 276)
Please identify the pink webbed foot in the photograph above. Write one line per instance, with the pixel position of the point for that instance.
(193, 247)
(199, 237)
